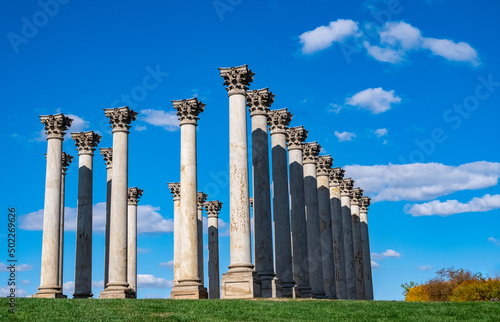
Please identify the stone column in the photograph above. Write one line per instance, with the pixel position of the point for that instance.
(278, 121)
(365, 240)
(356, 195)
(212, 208)
(117, 286)
(107, 154)
(259, 102)
(66, 161)
(350, 271)
(325, 225)
(85, 144)
(310, 155)
(241, 280)
(336, 176)
(133, 198)
(200, 199)
(188, 286)
(295, 141)
(175, 189)
(55, 125)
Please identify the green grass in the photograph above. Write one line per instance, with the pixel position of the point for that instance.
(28, 309)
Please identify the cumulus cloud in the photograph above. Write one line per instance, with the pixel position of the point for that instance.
(375, 100)
(425, 267)
(451, 207)
(69, 287)
(388, 253)
(386, 55)
(150, 281)
(422, 181)
(375, 265)
(169, 264)
(344, 136)
(381, 132)
(452, 51)
(324, 36)
(5, 291)
(19, 267)
(167, 120)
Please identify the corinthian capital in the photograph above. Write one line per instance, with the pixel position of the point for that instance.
(55, 125)
(336, 175)
(346, 186)
(236, 79)
(324, 165)
(188, 110)
(66, 161)
(120, 117)
(213, 208)
(364, 204)
(278, 120)
(86, 141)
(107, 155)
(356, 195)
(200, 199)
(175, 189)
(295, 137)
(310, 152)
(133, 195)
(259, 101)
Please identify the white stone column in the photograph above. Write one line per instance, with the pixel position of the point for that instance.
(324, 166)
(188, 286)
(336, 176)
(200, 199)
(310, 155)
(278, 121)
(212, 208)
(365, 240)
(107, 154)
(356, 195)
(241, 280)
(117, 286)
(295, 141)
(175, 189)
(66, 161)
(133, 198)
(55, 125)
(259, 102)
(350, 271)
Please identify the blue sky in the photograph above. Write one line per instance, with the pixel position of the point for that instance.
(403, 94)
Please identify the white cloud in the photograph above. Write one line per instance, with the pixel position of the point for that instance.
(150, 281)
(495, 241)
(149, 220)
(400, 34)
(344, 136)
(375, 100)
(451, 207)
(386, 55)
(19, 267)
(169, 264)
(381, 132)
(450, 50)
(324, 36)
(140, 128)
(69, 288)
(168, 120)
(5, 291)
(422, 181)
(388, 253)
(425, 267)
(375, 265)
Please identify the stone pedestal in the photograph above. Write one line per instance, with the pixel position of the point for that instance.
(213, 208)
(356, 195)
(365, 240)
(200, 199)
(133, 198)
(107, 154)
(66, 161)
(350, 271)
(175, 189)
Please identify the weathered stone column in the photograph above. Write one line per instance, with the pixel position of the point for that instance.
(350, 271)
(241, 280)
(188, 286)
(212, 208)
(310, 155)
(66, 161)
(55, 125)
(336, 176)
(356, 195)
(278, 121)
(200, 199)
(365, 240)
(175, 189)
(324, 166)
(117, 286)
(107, 154)
(259, 102)
(133, 198)
(295, 141)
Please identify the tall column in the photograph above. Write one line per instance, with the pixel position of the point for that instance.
(325, 225)
(66, 161)
(241, 280)
(259, 102)
(310, 155)
(133, 198)
(117, 286)
(188, 286)
(200, 199)
(85, 144)
(107, 154)
(365, 240)
(212, 208)
(55, 125)
(175, 189)
(336, 176)
(356, 195)
(350, 271)
(295, 141)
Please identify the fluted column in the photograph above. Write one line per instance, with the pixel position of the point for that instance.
(175, 189)
(295, 141)
(365, 240)
(212, 208)
(134, 194)
(117, 286)
(107, 154)
(259, 102)
(336, 176)
(200, 199)
(356, 195)
(241, 273)
(350, 271)
(66, 161)
(278, 121)
(55, 125)
(188, 286)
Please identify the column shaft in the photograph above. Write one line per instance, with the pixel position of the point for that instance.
(338, 242)
(358, 251)
(177, 238)
(109, 173)
(348, 247)
(61, 230)
(213, 258)
(367, 268)
(199, 222)
(132, 247)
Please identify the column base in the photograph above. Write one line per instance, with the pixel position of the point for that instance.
(49, 292)
(305, 292)
(240, 284)
(270, 287)
(188, 292)
(83, 296)
(318, 295)
(117, 293)
(287, 289)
